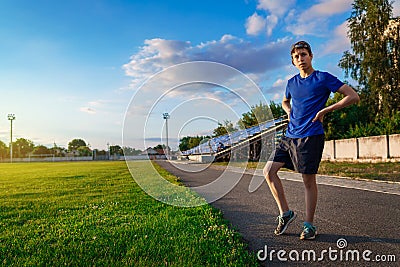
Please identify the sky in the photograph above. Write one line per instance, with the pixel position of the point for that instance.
(105, 71)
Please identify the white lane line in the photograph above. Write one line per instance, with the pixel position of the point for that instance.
(391, 188)
(388, 188)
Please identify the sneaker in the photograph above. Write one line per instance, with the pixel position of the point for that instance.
(309, 232)
(283, 222)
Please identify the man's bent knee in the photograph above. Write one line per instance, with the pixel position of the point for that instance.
(271, 169)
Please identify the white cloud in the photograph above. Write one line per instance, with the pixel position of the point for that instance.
(255, 24)
(340, 42)
(396, 8)
(97, 103)
(87, 110)
(315, 20)
(93, 107)
(279, 83)
(272, 21)
(159, 54)
(275, 7)
(276, 97)
(316, 27)
(327, 8)
(277, 89)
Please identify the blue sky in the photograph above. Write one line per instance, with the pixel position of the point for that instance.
(74, 69)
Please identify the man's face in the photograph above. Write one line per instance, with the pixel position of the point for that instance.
(302, 59)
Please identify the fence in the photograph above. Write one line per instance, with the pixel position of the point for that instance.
(382, 148)
(88, 158)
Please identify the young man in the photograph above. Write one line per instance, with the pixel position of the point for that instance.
(301, 147)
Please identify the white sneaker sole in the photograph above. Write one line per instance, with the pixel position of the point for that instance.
(287, 225)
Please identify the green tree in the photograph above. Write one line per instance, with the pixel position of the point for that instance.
(22, 147)
(84, 151)
(184, 143)
(159, 146)
(257, 114)
(41, 150)
(189, 142)
(163, 147)
(58, 151)
(374, 59)
(116, 150)
(75, 144)
(261, 113)
(129, 151)
(3, 150)
(338, 123)
(223, 129)
(276, 109)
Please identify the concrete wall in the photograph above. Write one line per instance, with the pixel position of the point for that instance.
(202, 158)
(381, 147)
(394, 145)
(373, 147)
(346, 149)
(329, 150)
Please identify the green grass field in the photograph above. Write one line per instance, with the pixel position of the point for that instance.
(94, 214)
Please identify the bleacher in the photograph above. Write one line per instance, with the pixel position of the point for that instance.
(235, 139)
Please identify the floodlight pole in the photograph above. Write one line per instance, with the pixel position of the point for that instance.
(11, 117)
(166, 116)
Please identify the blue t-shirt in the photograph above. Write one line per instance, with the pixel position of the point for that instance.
(308, 96)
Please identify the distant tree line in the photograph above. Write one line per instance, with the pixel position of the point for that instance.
(23, 148)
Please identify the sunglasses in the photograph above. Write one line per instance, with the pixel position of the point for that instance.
(300, 45)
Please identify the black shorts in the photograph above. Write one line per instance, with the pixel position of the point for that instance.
(300, 154)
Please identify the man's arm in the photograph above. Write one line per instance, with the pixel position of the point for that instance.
(350, 97)
(286, 105)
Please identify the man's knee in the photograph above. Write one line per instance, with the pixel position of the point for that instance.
(271, 169)
(309, 180)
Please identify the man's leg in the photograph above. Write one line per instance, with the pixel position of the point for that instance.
(286, 216)
(275, 185)
(311, 195)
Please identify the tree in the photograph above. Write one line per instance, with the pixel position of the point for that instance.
(184, 143)
(22, 147)
(84, 151)
(276, 109)
(224, 129)
(261, 113)
(41, 150)
(116, 150)
(75, 144)
(129, 151)
(163, 147)
(374, 59)
(338, 122)
(58, 151)
(189, 142)
(159, 146)
(3, 150)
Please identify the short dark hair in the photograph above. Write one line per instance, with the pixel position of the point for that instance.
(299, 45)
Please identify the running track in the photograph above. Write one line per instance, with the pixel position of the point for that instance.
(364, 214)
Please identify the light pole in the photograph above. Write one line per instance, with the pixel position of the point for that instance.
(11, 117)
(166, 117)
